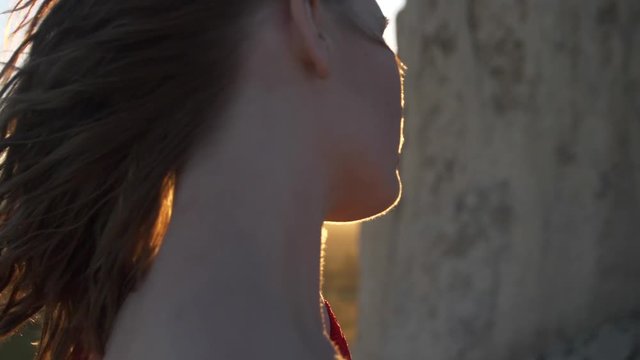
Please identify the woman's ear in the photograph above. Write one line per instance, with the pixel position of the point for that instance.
(309, 42)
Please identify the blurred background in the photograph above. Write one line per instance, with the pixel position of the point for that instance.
(518, 233)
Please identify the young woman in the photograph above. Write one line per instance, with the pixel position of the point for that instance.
(208, 138)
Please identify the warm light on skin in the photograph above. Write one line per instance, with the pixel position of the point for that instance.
(402, 68)
(323, 253)
(376, 215)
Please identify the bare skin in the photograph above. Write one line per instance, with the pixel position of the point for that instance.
(312, 135)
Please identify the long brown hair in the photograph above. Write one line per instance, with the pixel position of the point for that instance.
(96, 125)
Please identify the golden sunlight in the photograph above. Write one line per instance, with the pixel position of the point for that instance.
(340, 273)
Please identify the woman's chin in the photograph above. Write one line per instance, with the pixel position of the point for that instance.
(362, 206)
(388, 199)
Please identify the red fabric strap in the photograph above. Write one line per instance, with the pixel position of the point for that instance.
(337, 337)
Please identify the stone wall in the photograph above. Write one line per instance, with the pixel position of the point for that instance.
(520, 218)
(615, 340)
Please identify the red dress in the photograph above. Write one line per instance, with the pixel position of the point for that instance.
(337, 337)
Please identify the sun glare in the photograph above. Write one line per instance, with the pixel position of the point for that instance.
(390, 8)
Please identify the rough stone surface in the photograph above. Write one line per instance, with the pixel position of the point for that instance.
(520, 218)
(617, 340)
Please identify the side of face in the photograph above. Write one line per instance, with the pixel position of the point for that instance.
(363, 115)
(330, 59)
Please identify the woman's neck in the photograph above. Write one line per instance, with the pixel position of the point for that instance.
(239, 270)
